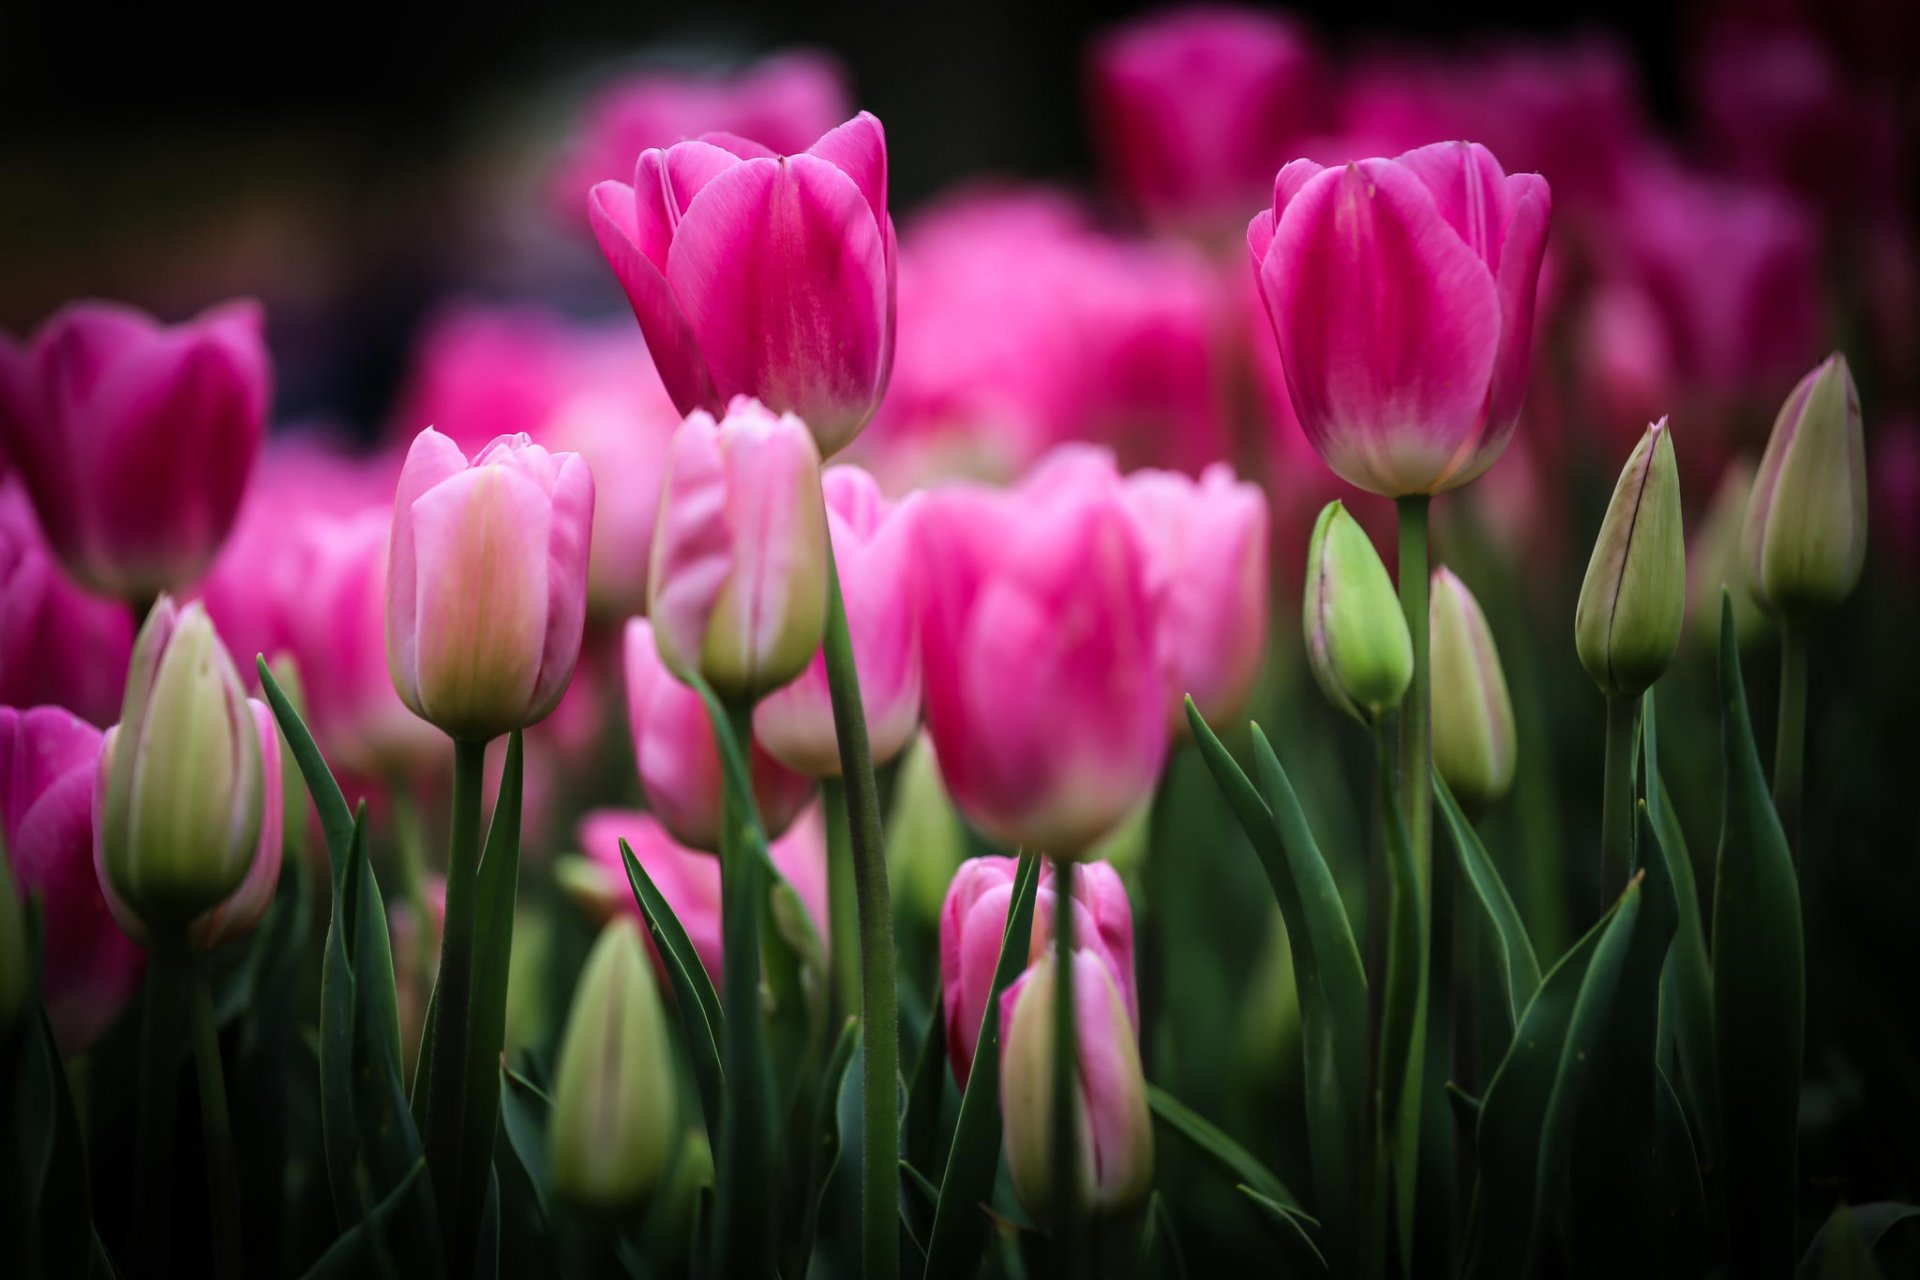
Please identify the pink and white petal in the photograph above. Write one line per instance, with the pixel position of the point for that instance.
(568, 548)
(693, 543)
(431, 459)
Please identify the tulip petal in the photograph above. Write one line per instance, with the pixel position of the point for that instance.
(612, 208)
(737, 146)
(431, 459)
(664, 184)
(1112, 1084)
(693, 549)
(858, 149)
(1470, 190)
(568, 546)
(1290, 181)
(1531, 204)
(244, 908)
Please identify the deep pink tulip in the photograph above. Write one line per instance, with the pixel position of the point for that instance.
(873, 546)
(1197, 107)
(487, 582)
(1038, 625)
(764, 275)
(135, 440)
(1401, 293)
(59, 646)
(89, 967)
(679, 760)
(975, 915)
(1207, 549)
(690, 880)
(738, 583)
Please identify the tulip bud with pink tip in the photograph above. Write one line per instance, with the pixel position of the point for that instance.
(487, 582)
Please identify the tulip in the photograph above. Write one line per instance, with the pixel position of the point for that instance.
(1474, 746)
(738, 582)
(624, 439)
(486, 582)
(1039, 628)
(1357, 639)
(613, 1122)
(89, 968)
(679, 758)
(1207, 551)
(873, 546)
(1634, 597)
(1115, 1161)
(1805, 541)
(688, 879)
(1401, 294)
(58, 645)
(187, 797)
(974, 917)
(762, 275)
(1198, 107)
(135, 440)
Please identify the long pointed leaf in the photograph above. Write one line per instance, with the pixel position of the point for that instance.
(336, 819)
(693, 996)
(361, 1250)
(1286, 1226)
(1519, 968)
(1234, 1160)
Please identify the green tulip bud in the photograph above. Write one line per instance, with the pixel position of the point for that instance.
(182, 797)
(16, 967)
(1474, 745)
(1806, 534)
(1357, 640)
(1634, 598)
(613, 1122)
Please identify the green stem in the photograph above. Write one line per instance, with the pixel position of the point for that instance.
(1416, 728)
(216, 1130)
(879, 1009)
(1403, 1025)
(1063, 1172)
(159, 1058)
(842, 898)
(1790, 748)
(446, 1079)
(1616, 814)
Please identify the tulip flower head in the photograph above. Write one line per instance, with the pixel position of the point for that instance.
(762, 275)
(1357, 639)
(1474, 744)
(1805, 542)
(59, 645)
(1401, 294)
(487, 582)
(1634, 598)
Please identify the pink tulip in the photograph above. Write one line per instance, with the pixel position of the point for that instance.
(873, 546)
(689, 879)
(1401, 293)
(975, 915)
(679, 760)
(1038, 625)
(739, 574)
(623, 434)
(764, 275)
(135, 440)
(1197, 107)
(1207, 552)
(89, 967)
(247, 906)
(58, 645)
(487, 582)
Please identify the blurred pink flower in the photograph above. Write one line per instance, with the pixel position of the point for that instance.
(1894, 472)
(59, 646)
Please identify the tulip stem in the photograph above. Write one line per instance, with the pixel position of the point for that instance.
(1616, 814)
(446, 1079)
(1416, 734)
(216, 1130)
(879, 1010)
(159, 1058)
(843, 908)
(1789, 750)
(1063, 1174)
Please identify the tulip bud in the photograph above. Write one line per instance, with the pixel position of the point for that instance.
(1806, 535)
(613, 1122)
(1634, 598)
(16, 964)
(182, 790)
(1473, 736)
(1115, 1160)
(1357, 640)
(738, 584)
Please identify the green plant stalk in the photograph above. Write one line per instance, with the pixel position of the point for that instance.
(1403, 1030)
(1416, 712)
(446, 1081)
(1616, 800)
(1063, 1171)
(216, 1129)
(159, 1055)
(843, 909)
(879, 1009)
(1789, 750)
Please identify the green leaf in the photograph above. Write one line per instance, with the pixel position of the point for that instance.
(693, 995)
(368, 1247)
(918, 1201)
(1466, 1111)
(1403, 1017)
(926, 1094)
(959, 1233)
(1234, 1160)
(824, 1156)
(1288, 1227)
(336, 819)
(524, 1109)
(1519, 970)
(1160, 1254)
(62, 1212)
(1759, 991)
(1850, 1230)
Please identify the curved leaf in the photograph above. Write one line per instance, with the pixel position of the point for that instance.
(1233, 1159)
(1519, 968)
(693, 996)
(1287, 1226)
(1864, 1223)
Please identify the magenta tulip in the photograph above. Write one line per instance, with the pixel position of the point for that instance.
(487, 582)
(975, 915)
(762, 275)
(1039, 631)
(679, 759)
(873, 546)
(59, 646)
(1401, 293)
(89, 967)
(135, 440)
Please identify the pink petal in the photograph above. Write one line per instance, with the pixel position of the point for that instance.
(613, 211)
(431, 459)
(693, 544)
(1470, 190)
(735, 145)
(568, 547)
(858, 149)
(1531, 203)
(1290, 181)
